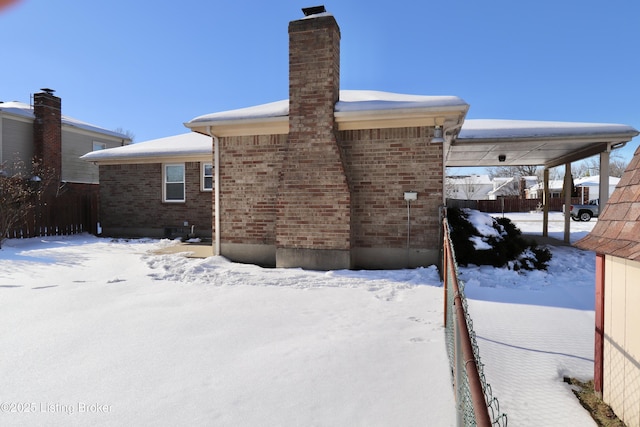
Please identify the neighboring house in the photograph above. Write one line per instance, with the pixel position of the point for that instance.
(555, 189)
(616, 241)
(331, 178)
(481, 187)
(42, 131)
(157, 188)
(469, 187)
(588, 187)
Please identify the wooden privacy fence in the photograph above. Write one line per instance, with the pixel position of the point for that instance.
(68, 213)
(510, 204)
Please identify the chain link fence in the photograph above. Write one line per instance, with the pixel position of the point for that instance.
(476, 405)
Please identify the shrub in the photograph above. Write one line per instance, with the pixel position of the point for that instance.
(483, 240)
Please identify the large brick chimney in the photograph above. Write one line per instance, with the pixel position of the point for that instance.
(314, 202)
(47, 131)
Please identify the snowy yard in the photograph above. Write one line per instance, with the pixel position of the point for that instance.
(101, 332)
(167, 340)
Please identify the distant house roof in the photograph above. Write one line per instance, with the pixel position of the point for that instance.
(617, 231)
(554, 184)
(180, 147)
(466, 179)
(20, 109)
(594, 181)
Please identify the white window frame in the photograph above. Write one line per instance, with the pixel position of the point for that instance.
(165, 182)
(99, 146)
(204, 176)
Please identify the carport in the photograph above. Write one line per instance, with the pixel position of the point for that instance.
(489, 143)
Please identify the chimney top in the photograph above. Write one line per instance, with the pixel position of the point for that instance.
(314, 10)
(47, 90)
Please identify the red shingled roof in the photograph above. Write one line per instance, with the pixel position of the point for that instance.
(617, 232)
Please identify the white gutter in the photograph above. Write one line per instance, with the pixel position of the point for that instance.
(216, 191)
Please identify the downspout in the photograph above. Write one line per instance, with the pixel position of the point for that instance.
(216, 191)
(604, 177)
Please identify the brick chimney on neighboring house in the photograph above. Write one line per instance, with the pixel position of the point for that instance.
(47, 131)
(314, 202)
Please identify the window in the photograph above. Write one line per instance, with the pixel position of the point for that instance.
(207, 177)
(99, 146)
(173, 183)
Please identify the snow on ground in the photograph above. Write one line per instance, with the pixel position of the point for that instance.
(102, 332)
(535, 328)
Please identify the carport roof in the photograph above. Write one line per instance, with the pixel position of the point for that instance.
(481, 142)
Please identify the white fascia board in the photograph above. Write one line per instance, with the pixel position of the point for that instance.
(242, 127)
(153, 159)
(400, 117)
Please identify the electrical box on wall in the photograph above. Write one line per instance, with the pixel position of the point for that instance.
(410, 195)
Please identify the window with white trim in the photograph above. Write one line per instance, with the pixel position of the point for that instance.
(173, 188)
(207, 177)
(99, 146)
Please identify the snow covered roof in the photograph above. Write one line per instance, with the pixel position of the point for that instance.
(25, 110)
(539, 143)
(498, 129)
(354, 106)
(594, 181)
(350, 101)
(183, 146)
(467, 179)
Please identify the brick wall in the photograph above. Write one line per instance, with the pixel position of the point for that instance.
(47, 131)
(383, 164)
(131, 201)
(249, 169)
(314, 203)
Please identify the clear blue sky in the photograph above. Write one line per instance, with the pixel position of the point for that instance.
(148, 67)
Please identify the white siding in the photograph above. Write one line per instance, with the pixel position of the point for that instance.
(621, 382)
(74, 145)
(17, 139)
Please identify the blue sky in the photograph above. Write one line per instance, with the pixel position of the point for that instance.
(148, 67)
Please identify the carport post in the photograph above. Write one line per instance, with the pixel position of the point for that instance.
(545, 203)
(568, 188)
(604, 178)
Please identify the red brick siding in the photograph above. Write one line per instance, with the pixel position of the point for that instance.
(249, 168)
(131, 197)
(47, 131)
(383, 164)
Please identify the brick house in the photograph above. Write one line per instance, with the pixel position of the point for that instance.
(157, 188)
(616, 241)
(42, 131)
(332, 178)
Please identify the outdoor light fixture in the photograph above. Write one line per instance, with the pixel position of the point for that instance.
(437, 135)
(502, 158)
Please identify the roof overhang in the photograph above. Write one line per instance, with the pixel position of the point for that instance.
(483, 143)
(446, 116)
(347, 120)
(242, 127)
(152, 159)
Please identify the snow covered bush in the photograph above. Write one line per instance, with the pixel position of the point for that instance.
(480, 239)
